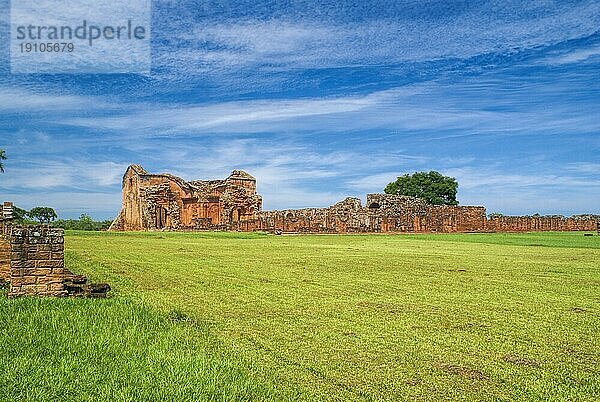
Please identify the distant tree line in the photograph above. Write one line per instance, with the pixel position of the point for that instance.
(47, 215)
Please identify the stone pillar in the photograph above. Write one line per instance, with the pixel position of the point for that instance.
(7, 210)
(37, 261)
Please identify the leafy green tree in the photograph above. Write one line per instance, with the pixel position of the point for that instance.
(19, 215)
(42, 214)
(433, 187)
(2, 158)
(86, 223)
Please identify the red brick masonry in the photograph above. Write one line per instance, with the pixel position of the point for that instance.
(32, 262)
(167, 202)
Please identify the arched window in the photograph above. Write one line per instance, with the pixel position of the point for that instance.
(374, 205)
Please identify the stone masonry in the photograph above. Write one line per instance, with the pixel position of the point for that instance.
(167, 202)
(32, 262)
(164, 201)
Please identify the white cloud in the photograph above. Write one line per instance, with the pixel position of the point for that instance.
(374, 183)
(21, 100)
(292, 42)
(422, 107)
(51, 174)
(584, 167)
(575, 56)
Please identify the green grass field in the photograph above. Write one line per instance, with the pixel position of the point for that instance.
(228, 316)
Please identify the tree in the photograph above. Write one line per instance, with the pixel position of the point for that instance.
(86, 223)
(433, 187)
(2, 158)
(42, 214)
(19, 214)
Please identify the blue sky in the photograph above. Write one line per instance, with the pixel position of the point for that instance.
(324, 99)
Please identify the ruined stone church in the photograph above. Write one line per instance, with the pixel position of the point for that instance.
(166, 202)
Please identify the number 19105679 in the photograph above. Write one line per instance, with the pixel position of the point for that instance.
(47, 47)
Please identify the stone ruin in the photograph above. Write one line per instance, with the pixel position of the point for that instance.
(32, 262)
(166, 202)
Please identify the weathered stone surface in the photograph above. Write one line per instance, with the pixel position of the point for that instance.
(32, 262)
(166, 202)
(543, 223)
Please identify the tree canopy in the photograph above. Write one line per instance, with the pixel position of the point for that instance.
(42, 214)
(432, 187)
(19, 215)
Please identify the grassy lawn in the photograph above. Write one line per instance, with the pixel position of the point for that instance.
(249, 316)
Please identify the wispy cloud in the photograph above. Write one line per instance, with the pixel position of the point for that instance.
(14, 99)
(46, 175)
(575, 56)
(312, 42)
(422, 107)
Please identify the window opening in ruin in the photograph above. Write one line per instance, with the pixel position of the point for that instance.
(237, 214)
(161, 217)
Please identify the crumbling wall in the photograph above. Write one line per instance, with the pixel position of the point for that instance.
(542, 223)
(5, 249)
(32, 262)
(452, 219)
(383, 213)
(5, 253)
(167, 202)
(37, 262)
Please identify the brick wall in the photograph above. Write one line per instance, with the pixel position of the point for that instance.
(385, 213)
(5, 254)
(541, 224)
(37, 261)
(32, 261)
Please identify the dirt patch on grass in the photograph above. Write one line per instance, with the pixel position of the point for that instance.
(520, 361)
(461, 371)
(580, 356)
(412, 381)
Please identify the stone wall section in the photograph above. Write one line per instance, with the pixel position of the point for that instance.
(37, 265)
(32, 262)
(384, 213)
(543, 223)
(167, 202)
(5, 254)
